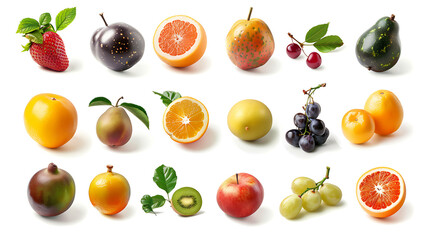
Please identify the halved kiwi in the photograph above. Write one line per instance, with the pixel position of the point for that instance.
(186, 201)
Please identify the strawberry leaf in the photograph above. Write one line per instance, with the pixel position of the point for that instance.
(98, 101)
(64, 18)
(35, 36)
(316, 33)
(28, 25)
(45, 19)
(26, 47)
(138, 111)
(328, 43)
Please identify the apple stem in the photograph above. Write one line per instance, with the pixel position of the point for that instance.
(109, 168)
(250, 13)
(236, 178)
(117, 102)
(102, 16)
(52, 168)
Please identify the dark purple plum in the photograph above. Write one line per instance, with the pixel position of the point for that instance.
(118, 46)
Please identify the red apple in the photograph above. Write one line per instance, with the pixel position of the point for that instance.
(240, 195)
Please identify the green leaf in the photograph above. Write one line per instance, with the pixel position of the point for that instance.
(35, 36)
(158, 201)
(138, 111)
(64, 18)
(100, 101)
(28, 25)
(149, 203)
(328, 43)
(45, 19)
(316, 33)
(165, 177)
(168, 96)
(26, 47)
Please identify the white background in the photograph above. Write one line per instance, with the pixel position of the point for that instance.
(216, 82)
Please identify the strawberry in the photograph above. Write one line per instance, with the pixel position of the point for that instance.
(46, 46)
(51, 53)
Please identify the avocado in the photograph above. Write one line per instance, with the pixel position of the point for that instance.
(379, 48)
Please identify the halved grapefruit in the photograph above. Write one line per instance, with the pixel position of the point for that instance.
(381, 192)
(180, 41)
(186, 120)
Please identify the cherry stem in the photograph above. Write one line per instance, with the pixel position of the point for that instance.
(300, 43)
(102, 16)
(318, 184)
(250, 13)
(236, 178)
(117, 102)
(109, 168)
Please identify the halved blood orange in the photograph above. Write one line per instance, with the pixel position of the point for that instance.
(180, 41)
(381, 192)
(186, 120)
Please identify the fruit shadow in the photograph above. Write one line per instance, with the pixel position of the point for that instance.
(403, 131)
(271, 67)
(127, 213)
(204, 143)
(136, 143)
(75, 65)
(262, 216)
(201, 66)
(256, 145)
(75, 214)
(77, 144)
(136, 71)
(402, 215)
(401, 68)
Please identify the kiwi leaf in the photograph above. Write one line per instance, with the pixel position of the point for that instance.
(165, 177)
(149, 203)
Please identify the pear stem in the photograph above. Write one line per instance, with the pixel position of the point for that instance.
(117, 102)
(104, 20)
(250, 13)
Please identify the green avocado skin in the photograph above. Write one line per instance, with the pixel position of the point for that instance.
(379, 48)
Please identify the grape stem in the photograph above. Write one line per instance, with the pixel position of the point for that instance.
(310, 99)
(318, 184)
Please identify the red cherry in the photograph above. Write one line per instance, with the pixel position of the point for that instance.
(314, 60)
(293, 50)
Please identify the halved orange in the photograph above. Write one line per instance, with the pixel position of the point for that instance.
(186, 120)
(180, 41)
(381, 192)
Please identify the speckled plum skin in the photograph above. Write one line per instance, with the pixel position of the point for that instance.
(118, 46)
(250, 43)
